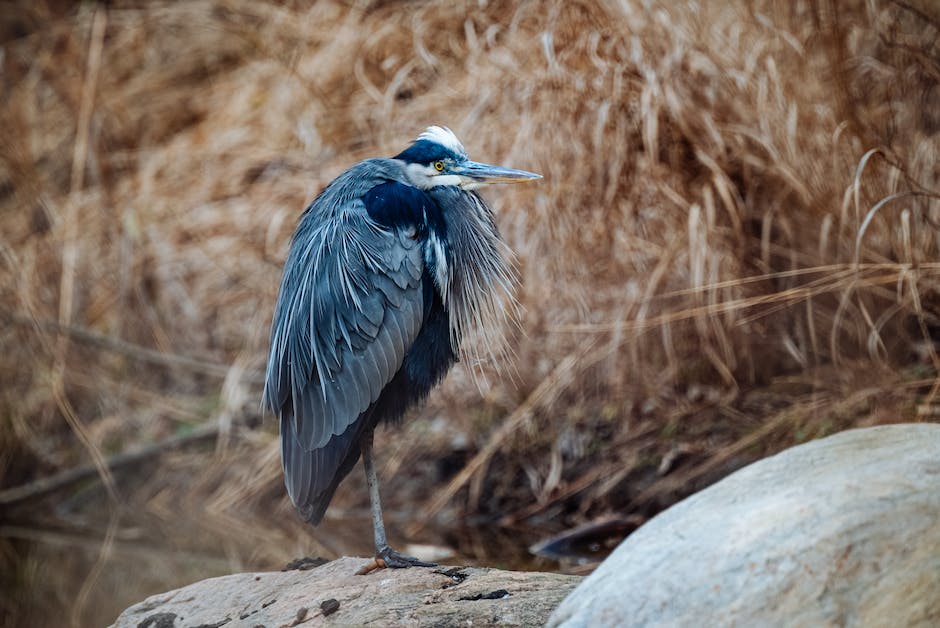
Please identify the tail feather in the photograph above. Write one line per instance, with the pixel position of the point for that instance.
(312, 477)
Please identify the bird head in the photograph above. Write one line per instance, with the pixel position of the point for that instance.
(437, 158)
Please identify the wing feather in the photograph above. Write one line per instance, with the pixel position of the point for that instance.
(350, 306)
(390, 290)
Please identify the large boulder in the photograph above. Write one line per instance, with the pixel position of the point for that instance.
(333, 594)
(842, 531)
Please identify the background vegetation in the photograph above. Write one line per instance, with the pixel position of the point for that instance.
(734, 249)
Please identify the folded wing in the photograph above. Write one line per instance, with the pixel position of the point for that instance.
(349, 308)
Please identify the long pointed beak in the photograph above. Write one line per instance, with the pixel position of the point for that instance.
(483, 174)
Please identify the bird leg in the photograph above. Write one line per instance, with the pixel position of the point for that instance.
(384, 555)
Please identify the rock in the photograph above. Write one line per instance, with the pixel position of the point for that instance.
(843, 531)
(443, 596)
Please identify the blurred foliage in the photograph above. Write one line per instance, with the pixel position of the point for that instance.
(734, 249)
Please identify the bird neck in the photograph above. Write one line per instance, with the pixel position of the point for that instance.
(477, 279)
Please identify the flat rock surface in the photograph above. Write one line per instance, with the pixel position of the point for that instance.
(333, 594)
(842, 531)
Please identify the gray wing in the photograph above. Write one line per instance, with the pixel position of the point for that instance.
(349, 308)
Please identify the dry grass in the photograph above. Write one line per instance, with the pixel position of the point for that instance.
(734, 249)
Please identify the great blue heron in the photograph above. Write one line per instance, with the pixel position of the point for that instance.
(390, 266)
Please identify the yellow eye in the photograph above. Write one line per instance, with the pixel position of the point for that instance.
(439, 166)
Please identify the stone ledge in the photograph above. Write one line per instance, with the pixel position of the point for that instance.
(333, 594)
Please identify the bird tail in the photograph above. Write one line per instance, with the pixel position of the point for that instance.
(312, 477)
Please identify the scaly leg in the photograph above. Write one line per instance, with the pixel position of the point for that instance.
(384, 555)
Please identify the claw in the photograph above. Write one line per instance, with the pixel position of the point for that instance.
(387, 558)
(377, 563)
(393, 559)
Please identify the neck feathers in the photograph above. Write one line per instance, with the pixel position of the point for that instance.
(478, 279)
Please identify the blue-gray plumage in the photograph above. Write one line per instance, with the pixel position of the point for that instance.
(390, 266)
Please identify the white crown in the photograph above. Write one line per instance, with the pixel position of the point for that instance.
(445, 137)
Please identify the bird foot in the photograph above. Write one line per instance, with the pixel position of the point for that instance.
(393, 559)
(389, 558)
